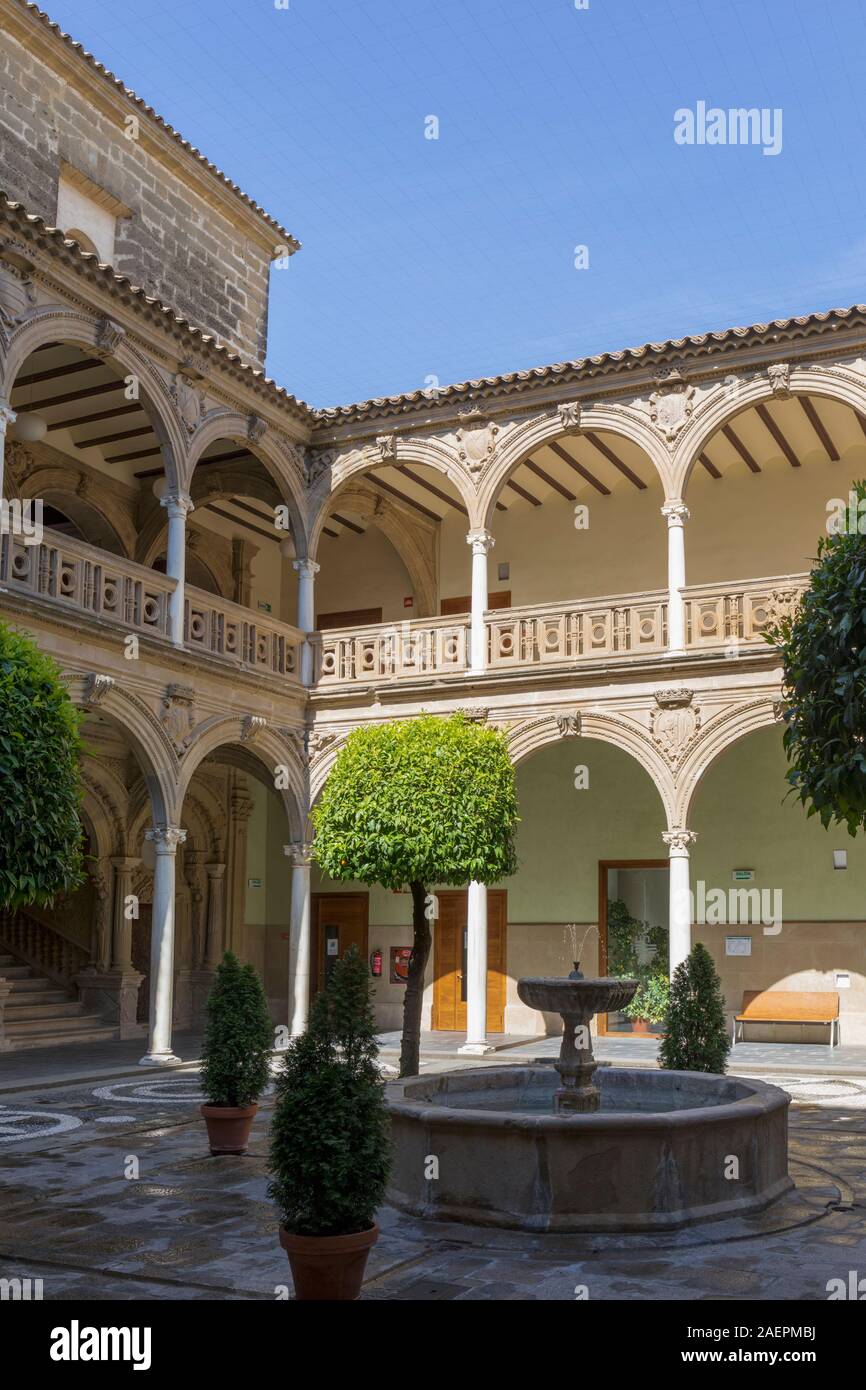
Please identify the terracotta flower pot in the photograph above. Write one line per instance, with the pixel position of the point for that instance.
(641, 1025)
(228, 1127)
(328, 1267)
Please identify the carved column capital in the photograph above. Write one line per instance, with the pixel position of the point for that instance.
(165, 838)
(177, 504)
(307, 568)
(7, 416)
(300, 853)
(679, 840)
(215, 870)
(676, 513)
(482, 541)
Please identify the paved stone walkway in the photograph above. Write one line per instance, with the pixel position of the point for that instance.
(107, 1191)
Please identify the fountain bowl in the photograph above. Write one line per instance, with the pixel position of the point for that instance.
(655, 1156)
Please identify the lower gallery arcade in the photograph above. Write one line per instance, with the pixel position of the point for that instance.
(594, 849)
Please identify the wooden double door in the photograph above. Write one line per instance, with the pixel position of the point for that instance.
(339, 920)
(449, 961)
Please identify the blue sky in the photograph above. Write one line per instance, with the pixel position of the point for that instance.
(454, 258)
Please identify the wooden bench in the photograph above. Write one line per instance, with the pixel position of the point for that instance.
(789, 1006)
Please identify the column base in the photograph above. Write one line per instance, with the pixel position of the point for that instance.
(476, 1049)
(160, 1059)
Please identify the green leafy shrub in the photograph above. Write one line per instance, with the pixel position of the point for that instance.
(652, 998)
(823, 649)
(419, 802)
(696, 1037)
(41, 839)
(330, 1147)
(238, 1036)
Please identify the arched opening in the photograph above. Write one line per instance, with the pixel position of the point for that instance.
(236, 878)
(759, 491)
(81, 441)
(578, 518)
(770, 906)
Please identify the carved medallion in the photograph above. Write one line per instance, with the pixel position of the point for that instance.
(178, 713)
(674, 723)
(672, 403)
(476, 439)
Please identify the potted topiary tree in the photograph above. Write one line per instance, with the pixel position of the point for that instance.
(421, 802)
(651, 999)
(330, 1147)
(40, 785)
(696, 1037)
(235, 1055)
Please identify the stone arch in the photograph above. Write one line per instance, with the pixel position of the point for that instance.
(531, 735)
(390, 519)
(521, 440)
(93, 511)
(56, 323)
(283, 461)
(414, 450)
(270, 747)
(725, 403)
(107, 798)
(720, 734)
(154, 751)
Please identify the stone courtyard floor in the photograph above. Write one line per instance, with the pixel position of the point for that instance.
(107, 1192)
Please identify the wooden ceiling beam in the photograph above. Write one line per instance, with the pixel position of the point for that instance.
(431, 487)
(767, 419)
(578, 468)
(711, 468)
(97, 440)
(819, 427)
(611, 457)
(551, 482)
(521, 492)
(85, 391)
(344, 521)
(403, 497)
(86, 365)
(114, 414)
(734, 439)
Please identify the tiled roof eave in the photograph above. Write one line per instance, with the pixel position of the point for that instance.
(33, 228)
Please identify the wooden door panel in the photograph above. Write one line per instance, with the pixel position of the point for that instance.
(449, 1003)
(340, 918)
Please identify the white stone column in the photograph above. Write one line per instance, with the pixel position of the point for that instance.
(165, 840)
(476, 1044)
(216, 888)
(677, 514)
(7, 417)
(299, 937)
(121, 925)
(177, 504)
(482, 543)
(307, 571)
(680, 902)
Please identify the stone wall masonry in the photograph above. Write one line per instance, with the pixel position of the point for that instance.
(175, 245)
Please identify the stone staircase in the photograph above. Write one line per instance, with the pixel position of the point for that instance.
(40, 1013)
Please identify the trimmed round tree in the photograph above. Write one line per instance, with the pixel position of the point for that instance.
(696, 1037)
(419, 803)
(40, 789)
(823, 649)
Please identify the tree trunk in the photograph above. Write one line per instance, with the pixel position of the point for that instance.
(410, 1049)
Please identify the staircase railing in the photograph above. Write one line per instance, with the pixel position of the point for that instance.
(42, 947)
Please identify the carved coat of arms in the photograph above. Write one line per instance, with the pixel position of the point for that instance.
(476, 439)
(674, 723)
(671, 404)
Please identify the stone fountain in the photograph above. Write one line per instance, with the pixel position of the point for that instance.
(577, 1001)
(642, 1150)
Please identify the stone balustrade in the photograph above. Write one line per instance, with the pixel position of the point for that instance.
(81, 577)
(576, 631)
(739, 613)
(422, 647)
(249, 639)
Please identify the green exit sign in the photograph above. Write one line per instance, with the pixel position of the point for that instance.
(264, 607)
(743, 875)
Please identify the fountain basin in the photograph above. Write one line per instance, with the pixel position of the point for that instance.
(656, 1155)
